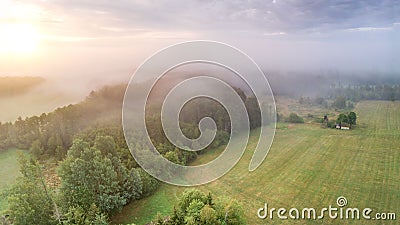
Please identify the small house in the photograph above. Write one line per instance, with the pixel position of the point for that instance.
(343, 126)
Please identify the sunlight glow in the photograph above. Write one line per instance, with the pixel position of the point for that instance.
(18, 38)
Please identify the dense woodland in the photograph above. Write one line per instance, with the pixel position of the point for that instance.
(331, 84)
(98, 174)
(390, 92)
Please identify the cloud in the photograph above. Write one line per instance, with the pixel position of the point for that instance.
(104, 40)
(274, 33)
(290, 16)
(370, 29)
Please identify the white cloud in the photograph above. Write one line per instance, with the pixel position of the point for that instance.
(370, 29)
(274, 33)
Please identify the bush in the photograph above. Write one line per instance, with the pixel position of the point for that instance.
(294, 118)
(331, 124)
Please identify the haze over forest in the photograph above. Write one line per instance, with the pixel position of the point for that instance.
(86, 156)
(78, 47)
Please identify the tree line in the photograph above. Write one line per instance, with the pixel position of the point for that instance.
(355, 93)
(98, 174)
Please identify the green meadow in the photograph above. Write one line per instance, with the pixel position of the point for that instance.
(307, 166)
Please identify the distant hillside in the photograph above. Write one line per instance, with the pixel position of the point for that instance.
(29, 96)
(63, 123)
(13, 86)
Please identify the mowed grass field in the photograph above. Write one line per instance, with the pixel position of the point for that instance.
(308, 166)
(9, 171)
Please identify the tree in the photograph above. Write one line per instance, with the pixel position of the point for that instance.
(30, 201)
(352, 117)
(92, 216)
(176, 218)
(208, 216)
(149, 183)
(37, 149)
(59, 153)
(342, 118)
(173, 157)
(106, 145)
(88, 177)
(197, 208)
(192, 216)
(229, 211)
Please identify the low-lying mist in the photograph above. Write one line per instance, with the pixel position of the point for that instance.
(48, 93)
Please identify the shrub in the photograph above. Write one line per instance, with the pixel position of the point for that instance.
(294, 118)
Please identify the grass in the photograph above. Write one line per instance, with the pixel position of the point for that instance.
(9, 171)
(309, 166)
(144, 210)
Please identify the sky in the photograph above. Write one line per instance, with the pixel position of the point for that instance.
(103, 41)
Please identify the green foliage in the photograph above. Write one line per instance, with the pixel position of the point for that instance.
(331, 124)
(190, 196)
(30, 202)
(99, 169)
(229, 211)
(254, 112)
(106, 145)
(193, 212)
(59, 127)
(91, 176)
(197, 208)
(389, 90)
(5, 137)
(37, 149)
(342, 118)
(350, 118)
(208, 216)
(158, 220)
(149, 183)
(77, 215)
(294, 118)
(173, 157)
(177, 217)
(93, 185)
(91, 118)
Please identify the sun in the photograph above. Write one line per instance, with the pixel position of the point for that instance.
(18, 38)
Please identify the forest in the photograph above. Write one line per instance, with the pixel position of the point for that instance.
(97, 173)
